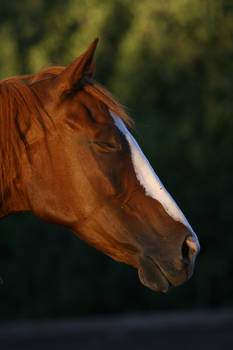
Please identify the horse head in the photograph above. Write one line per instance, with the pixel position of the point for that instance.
(83, 169)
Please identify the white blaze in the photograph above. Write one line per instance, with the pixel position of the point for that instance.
(148, 179)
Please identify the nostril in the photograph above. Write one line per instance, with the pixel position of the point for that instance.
(185, 252)
(189, 249)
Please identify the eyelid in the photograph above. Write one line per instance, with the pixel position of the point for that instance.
(106, 146)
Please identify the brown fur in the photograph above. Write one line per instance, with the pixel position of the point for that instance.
(63, 158)
(19, 104)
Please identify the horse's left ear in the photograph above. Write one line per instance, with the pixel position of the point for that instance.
(70, 78)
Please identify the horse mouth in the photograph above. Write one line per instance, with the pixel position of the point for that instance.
(152, 276)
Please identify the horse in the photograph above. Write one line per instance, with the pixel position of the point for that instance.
(68, 156)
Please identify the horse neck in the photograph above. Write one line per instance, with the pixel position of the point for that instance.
(12, 198)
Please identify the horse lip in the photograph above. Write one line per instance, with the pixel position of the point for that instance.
(152, 276)
(160, 270)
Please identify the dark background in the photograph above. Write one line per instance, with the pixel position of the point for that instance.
(171, 64)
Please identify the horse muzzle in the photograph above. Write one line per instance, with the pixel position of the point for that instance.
(159, 273)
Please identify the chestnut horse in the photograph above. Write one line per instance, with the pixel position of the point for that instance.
(67, 155)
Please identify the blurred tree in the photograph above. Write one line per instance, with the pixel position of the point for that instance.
(171, 63)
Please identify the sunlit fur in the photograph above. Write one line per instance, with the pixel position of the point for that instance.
(63, 158)
(20, 106)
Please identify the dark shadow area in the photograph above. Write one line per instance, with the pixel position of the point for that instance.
(190, 330)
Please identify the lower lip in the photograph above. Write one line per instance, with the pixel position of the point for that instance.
(151, 276)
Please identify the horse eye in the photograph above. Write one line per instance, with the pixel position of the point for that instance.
(104, 146)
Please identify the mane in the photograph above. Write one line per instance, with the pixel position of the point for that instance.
(18, 103)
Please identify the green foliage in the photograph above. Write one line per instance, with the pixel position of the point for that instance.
(171, 63)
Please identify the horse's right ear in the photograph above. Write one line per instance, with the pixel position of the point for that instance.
(70, 77)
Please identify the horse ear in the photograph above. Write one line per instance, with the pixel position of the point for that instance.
(83, 66)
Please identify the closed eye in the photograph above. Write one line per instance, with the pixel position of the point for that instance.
(105, 146)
